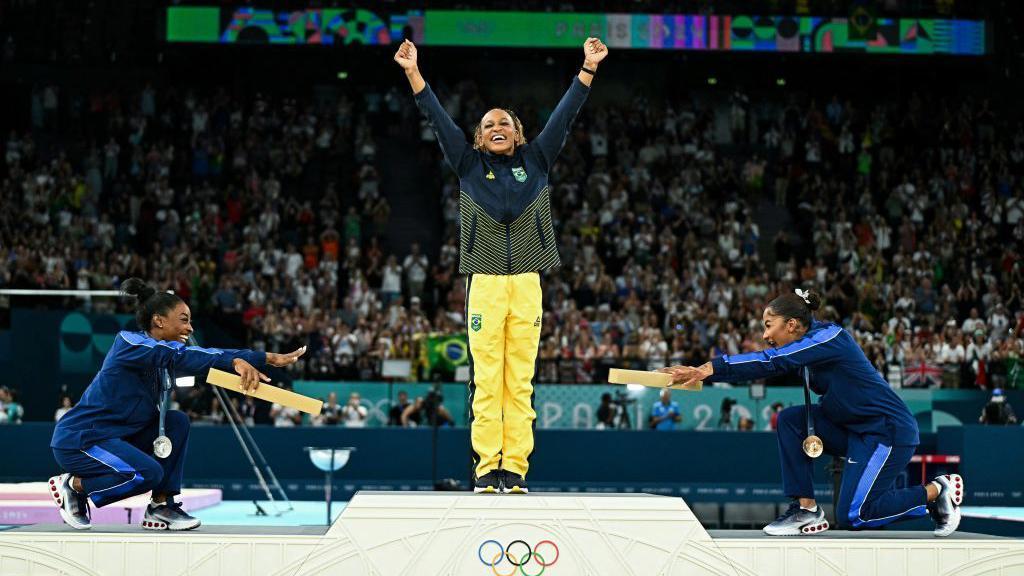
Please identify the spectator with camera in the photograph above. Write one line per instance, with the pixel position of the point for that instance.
(354, 414)
(998, 412)
(426, 411)
(396, 411)
(330, 414)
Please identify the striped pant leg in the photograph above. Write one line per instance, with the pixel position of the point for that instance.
(869, 497)
(111, 470)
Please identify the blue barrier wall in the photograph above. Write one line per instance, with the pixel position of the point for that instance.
(719, 466)
(993, 460)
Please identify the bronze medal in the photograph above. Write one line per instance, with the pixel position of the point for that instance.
(813, 446)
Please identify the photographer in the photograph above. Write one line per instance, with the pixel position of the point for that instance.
(998, 411)
(606, 413)
(420, 412)
(354, 414)
(725, 419)
(330, 414)
(612, 413)
(395, 414)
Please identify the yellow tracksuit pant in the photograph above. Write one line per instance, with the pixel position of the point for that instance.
(503, 313)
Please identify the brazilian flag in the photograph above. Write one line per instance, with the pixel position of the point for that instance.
(444, 352)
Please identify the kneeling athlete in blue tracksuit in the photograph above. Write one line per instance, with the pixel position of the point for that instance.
(859, 417)
(105, 442)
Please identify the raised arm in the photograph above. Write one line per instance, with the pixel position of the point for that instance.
(457, 151)
(593, 52)
(552, 138)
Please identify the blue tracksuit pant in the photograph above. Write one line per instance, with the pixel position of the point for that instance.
(115, 469)
(868, 497)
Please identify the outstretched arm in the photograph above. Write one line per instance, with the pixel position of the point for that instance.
(453, 142)
(552, 138)
(137, 349)
(822, 346)
(140, 350)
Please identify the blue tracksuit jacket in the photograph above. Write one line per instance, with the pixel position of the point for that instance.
(122, 399)
(853, 394)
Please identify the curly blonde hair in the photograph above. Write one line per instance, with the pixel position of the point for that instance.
(478, 133)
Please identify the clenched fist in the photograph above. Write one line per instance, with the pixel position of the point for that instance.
(406, 55)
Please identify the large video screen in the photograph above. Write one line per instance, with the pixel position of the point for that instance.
(738, 33)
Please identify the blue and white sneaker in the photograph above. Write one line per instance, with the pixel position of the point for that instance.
(945, 510)
(798, 522)
(168, 516)
(73, 506)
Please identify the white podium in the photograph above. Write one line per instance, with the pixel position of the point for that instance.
(458, 533)
(462, 533)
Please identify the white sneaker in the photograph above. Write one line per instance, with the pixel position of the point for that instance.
(168, 516)
(74, 507)
(798, 522)
(945, 510)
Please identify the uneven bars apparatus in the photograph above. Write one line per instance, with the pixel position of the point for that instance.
(220, 379)
(42, 292)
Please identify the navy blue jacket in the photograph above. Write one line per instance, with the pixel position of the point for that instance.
(123, 398)
(853, 394)
(504, 205)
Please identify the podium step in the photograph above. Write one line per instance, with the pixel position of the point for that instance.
(456, 533)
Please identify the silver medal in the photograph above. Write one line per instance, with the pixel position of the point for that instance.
(162, 447)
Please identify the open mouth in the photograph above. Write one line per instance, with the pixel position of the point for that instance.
(498, 138)
(183, 338)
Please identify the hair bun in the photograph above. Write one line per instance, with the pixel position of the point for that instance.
(813, 300)
(136, 287)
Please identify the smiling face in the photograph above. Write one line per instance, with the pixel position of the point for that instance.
(778, 331)
(175, 325)
(498, 132)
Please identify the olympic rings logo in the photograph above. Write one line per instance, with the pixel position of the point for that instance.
(517, 560)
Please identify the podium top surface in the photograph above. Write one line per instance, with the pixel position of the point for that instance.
(134, 529)
(321, 530)
(532, 494)
(856, 535)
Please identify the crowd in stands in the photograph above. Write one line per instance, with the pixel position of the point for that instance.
(907, 215)
(679, 218)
